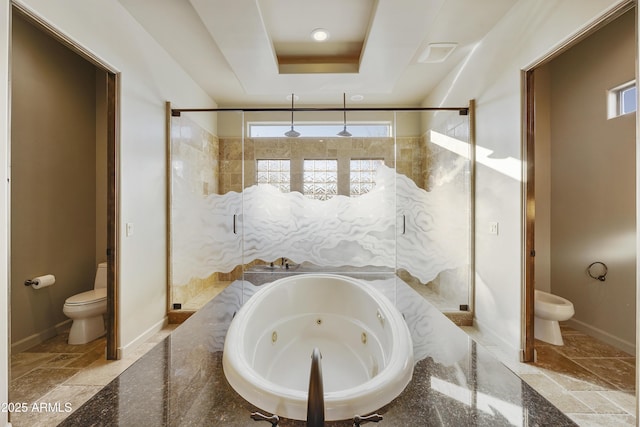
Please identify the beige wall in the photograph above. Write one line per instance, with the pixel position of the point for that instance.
(593, 183)
(53, 161)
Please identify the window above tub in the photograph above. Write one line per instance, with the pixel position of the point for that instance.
(320, 178)
(362, 174)
(276, 172)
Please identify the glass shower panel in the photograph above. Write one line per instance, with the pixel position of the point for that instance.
(205, 241)
(434, 188)
(393, 202)
(300, 214)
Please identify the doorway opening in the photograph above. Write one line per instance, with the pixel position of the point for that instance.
(64, 179)
(580, 201)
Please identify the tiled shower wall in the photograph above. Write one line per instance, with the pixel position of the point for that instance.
(195, 168)
(409, 159)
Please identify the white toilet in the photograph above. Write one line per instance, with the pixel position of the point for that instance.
(549, 310)
(87, 310)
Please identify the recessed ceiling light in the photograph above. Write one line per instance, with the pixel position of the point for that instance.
(357, 98)
(320, 34)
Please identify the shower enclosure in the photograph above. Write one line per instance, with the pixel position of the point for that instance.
(393, 201)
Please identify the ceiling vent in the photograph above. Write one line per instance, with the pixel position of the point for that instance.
(436, 52)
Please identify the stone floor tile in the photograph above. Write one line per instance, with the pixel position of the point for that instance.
(603, 420)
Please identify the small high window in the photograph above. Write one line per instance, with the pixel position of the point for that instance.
(320, 179)
(361, 175)
(276, 172)
(622, 100)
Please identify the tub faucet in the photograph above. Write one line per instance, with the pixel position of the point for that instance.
(315, 401)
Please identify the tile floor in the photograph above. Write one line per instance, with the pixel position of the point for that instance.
(592, 382)
(56, 373)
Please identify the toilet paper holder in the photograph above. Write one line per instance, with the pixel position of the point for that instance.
(41, 281)
(604, 270)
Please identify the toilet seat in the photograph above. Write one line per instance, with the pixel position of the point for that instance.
(88, 297)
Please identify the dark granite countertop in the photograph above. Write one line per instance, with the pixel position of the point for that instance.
(180, 382)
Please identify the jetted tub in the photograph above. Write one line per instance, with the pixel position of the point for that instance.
(366, 347)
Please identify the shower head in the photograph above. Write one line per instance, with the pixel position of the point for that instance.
(292, 133)
(344, 132)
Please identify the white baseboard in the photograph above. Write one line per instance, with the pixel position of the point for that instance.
(35, 339)
(128, 349)
(619, 343)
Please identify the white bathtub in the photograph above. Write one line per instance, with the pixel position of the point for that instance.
(367, 353)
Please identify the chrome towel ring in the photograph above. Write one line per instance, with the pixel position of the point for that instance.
(603, 274)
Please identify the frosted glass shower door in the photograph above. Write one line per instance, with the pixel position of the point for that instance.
(205, 243)
(434, 204)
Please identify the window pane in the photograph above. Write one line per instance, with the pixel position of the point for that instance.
(274, 172)
(628, 100)
(319, 178)
(362, 175)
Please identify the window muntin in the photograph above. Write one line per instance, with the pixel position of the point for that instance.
(362, 175)
(276, 172)
(320, 178)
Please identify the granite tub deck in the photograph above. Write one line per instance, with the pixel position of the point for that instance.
(180, 382)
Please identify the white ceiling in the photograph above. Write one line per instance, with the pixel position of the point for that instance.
(253, 53)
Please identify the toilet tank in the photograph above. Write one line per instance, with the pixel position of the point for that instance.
(101, 276)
